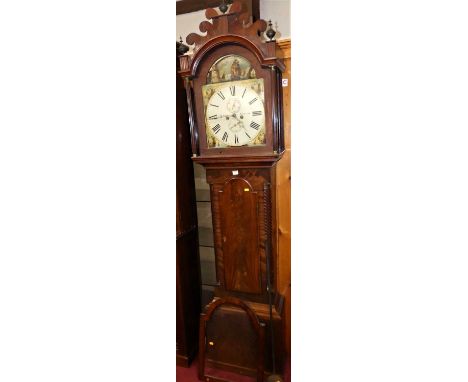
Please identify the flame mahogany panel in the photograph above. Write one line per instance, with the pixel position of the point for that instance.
(239, 229)
(240, 239)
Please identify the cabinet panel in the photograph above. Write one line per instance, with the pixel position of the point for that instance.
(238, 209)
(240, 241)
(233, 343)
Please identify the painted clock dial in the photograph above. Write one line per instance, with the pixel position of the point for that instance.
(235, 114)
(234, 104)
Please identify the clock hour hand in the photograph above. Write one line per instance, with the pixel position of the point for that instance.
(238, 125)
(219, 116)
(252, 113)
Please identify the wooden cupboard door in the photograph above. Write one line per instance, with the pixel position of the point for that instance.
(231, 339)
(232, 342)
(240, 242)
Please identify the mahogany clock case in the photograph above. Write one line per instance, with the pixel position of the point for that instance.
(243, 185)
(232, 34)
(239, 209)
(240, 204)
(232, 344)
(270, 78)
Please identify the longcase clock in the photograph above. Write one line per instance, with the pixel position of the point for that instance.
(233, 86)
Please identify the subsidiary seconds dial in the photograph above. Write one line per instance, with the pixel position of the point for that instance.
(235, 114)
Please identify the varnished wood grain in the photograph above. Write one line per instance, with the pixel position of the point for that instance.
(271, 108)
(234, 344)
(241, 265)
(253, 177)
(240, 239)
(284, 196)
(257, 340)
(188, 6)
(236, 21)
(226, 35)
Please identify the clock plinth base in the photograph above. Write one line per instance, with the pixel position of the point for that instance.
(232, 344)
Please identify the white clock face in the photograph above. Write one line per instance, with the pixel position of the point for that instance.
(235, 114)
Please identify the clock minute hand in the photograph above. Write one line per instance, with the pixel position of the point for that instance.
(218, 116)
(239, 122)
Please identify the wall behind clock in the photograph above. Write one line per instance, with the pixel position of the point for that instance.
(279, 11)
